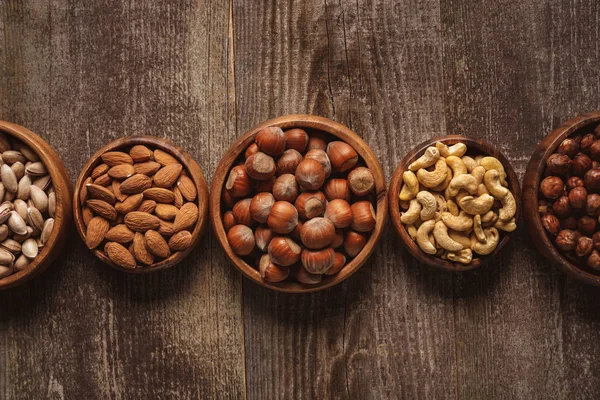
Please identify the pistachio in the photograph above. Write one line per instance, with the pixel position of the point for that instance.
(9, 179)
(42, 182)
(21, 262)
(23, 188)
(36, 169)
(30, 248)
(39, 198)
(16, 223)
(35, 219)
(28, 153)
(19, 169)
(47, 230)
(20, 207)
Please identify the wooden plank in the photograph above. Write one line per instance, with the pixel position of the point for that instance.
(375, 66)
(101, 71)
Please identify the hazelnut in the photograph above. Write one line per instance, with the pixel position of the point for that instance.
(319, 261)
(271, 140)
(592, 204)
(271, 272)
(283, 217)
(592, 179)
(584, 246)
(339, 212)
(552, 187)
(596, 240)
(284, 251)
(363, 216)
(322, 158)
(265, 186)
(559, 164)
(561, 207)
(595, 150)
(354, 243)
(260, 206)
(252, 149)
(342, 155)
(573, 182)
(239, 183)
(310, 174)
(288, 162)
(568, 147)
(260, 166)
(361, 181)
(296, 232)
(593, 260)
(587, 225)
(316, 142)
(569, 223)
(310, 205)
(296, 139)
(586, 142)
(226, 197)
(303, 276)
(228, 221)
(263, 236)
(285, 188)
(339, 239)
(578, 198)
(339, 262)
(241, 212)
(317, 233)
(581, 164)
(241, 240)
(551, 223)
(566, 240)
(337, 188)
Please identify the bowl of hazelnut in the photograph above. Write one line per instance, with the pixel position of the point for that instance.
(561, 197)
(454, 202)
(298, 203)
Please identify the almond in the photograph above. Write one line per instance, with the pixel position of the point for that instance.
(156, 244)
(102, 208)
(140, 251)
(186, 217)
(140, 153)
(141, 222)
(119, 255)
(166, 211)
(86, 215)
(147, 206)
(164, 158)
(147, 168)
(96, 229)
(101, 193)
(116, 188)
(178, 201)
(113, 158)
(99, 171)
(103, 180)
(166, 228)
(83, 193)
(180, 241)
(160, 195)
(131, 203)
(121, 171)
(120, 234)
(135, 184)
(187, 188)
(168, 175)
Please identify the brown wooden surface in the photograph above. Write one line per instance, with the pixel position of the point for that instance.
(202, 72)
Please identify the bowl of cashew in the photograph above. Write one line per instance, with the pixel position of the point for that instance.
(454, 201)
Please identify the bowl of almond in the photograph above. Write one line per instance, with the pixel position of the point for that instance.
(141, 204)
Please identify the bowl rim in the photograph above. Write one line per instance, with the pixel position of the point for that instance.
(531, 182)
(63, 216)
(396, 184)
(308, 122)
(188, 163)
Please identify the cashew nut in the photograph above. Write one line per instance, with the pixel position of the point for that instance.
(489, 219)
(412, 231)
(492, 183)
(509, 207)
(462, 222)
(470, 163)
(423, 237)
(461, 238)
(464, 256)
(478, 173)
(457, 165)
(476, 205)
(467, 182)
(457, 149)
(440, 233)
(452, 207)
(478, 229)
(478, 159)
(484, 248)
(410, 187)
(493, 163)
(482, 189)
(460, 195)
(412, 214)
(506, 226)
(431, 179)
(442, 186)
(428, 158)
(428, 204)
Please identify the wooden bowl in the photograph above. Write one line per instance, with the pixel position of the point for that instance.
(195, 173)
(475, 147)
(531, 182)
(306, 122)
(63, 217)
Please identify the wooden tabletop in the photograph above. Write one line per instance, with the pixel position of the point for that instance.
(202, 72)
